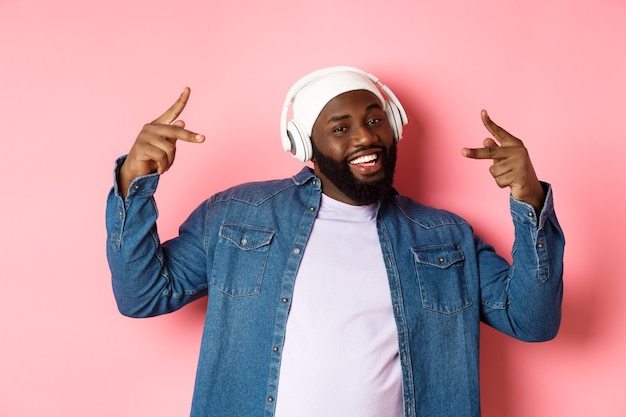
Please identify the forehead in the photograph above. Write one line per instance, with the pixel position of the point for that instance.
(357, 101)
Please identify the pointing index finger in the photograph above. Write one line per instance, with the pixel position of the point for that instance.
(176, 109)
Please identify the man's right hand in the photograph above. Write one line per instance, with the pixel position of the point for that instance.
(155, 146)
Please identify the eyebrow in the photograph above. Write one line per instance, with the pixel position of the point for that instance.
(341, 117)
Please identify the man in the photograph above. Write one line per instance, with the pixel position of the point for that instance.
(329, 293)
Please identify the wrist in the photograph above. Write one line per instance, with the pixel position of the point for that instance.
(124, 179)
(535, 197)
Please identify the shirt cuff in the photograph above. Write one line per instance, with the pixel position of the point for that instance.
(525, 212)
(145, 185)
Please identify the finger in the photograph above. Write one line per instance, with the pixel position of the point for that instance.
(495, 152)
(501, 170)
(490, 143)
(173, 132)
(151, 154)
(490, 152)
(176, 109)
(163, 158)
(511, 178)
(504, 137)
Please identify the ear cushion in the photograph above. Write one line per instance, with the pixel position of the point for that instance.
(301, 147)
(395, 120)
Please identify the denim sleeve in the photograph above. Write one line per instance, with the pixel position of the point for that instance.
(527, 303)
(150, 278)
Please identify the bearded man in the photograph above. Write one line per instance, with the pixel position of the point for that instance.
(329, 293)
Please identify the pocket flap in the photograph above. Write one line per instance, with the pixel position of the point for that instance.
(246, 237)
(440, 256)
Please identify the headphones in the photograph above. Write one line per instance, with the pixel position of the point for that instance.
(294, 136)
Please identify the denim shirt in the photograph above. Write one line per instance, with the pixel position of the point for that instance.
(242, 247)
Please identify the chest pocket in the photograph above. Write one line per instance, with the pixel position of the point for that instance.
(240, 258)
(441, 276)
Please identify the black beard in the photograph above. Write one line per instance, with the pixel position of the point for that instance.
(360, 192)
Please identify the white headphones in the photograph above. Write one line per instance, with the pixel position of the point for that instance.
(294, 135)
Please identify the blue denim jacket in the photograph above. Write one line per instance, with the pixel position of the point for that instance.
(242, 247)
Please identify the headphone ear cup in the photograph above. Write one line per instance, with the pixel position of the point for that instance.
(301, 148)
(395, 120)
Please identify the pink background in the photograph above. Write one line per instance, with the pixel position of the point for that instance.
(79, 79)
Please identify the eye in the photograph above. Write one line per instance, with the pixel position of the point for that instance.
(374, 121)
(339, 129)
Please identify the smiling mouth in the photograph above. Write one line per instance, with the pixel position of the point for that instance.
(365, 161)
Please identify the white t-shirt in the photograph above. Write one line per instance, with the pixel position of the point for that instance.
(340, 355)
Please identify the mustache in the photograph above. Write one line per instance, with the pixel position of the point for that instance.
(365, 148)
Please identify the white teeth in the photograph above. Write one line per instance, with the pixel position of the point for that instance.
(364, 159)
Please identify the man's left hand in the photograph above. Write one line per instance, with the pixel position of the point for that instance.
(511, 164)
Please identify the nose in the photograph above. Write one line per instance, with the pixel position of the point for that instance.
(362, 135)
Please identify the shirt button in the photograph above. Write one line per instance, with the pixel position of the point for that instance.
(296, 251)
(270, 399)
(284, 300)
(540, 245)
(244, 241)
(441, 260)
(275, 348)
(531, 214)
(311, 208)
